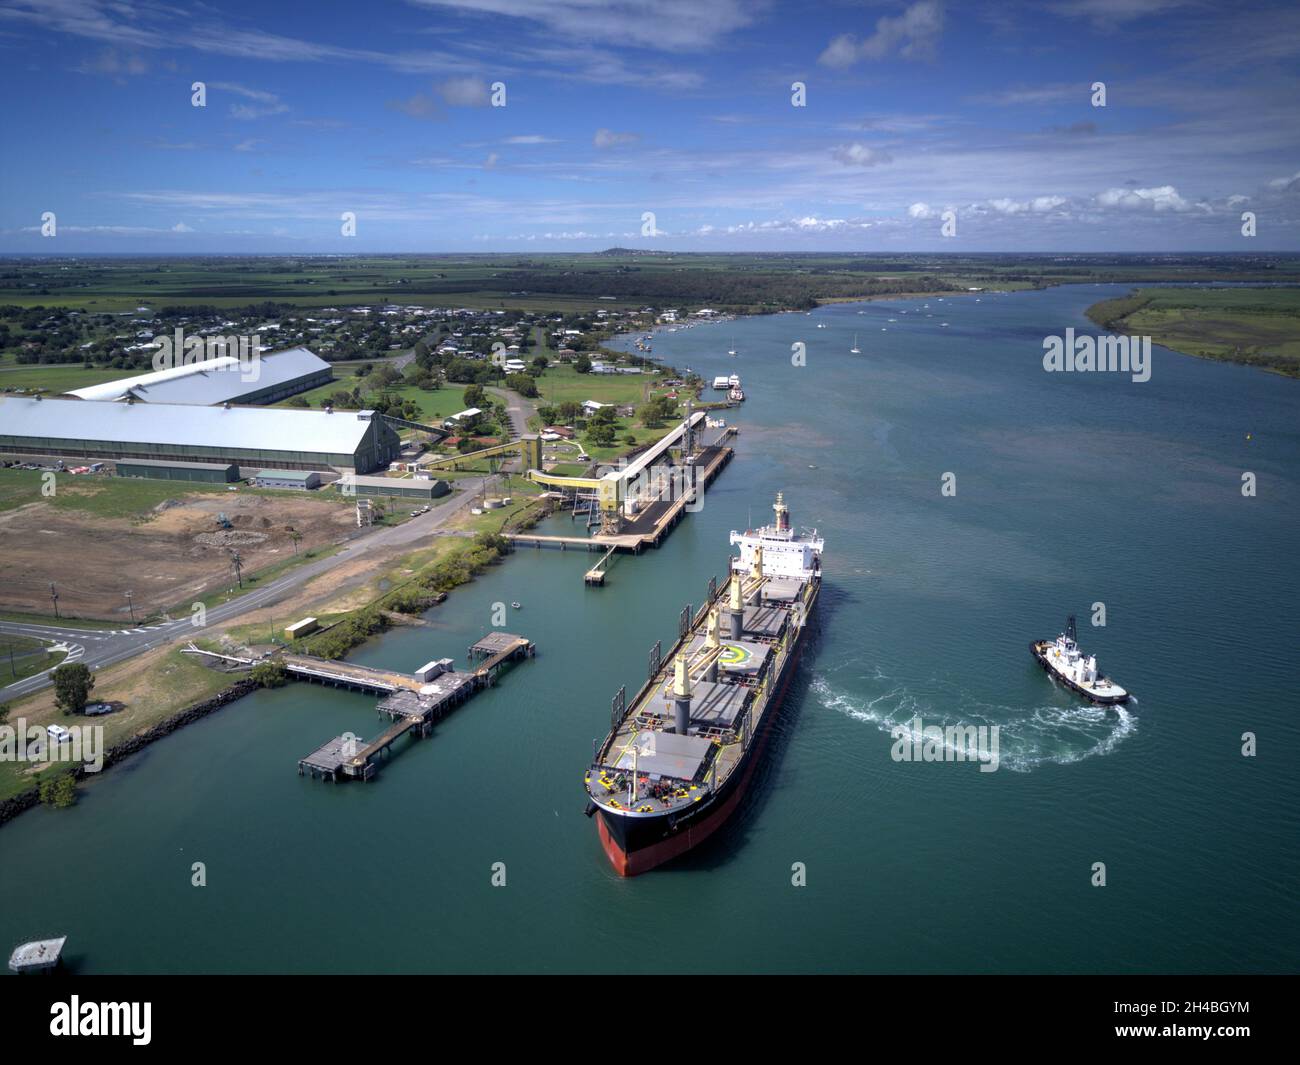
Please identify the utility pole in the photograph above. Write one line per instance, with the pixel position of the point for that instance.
(130, 603)
(238, 564)
(54, 598)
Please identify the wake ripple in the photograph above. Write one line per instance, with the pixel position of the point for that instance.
(1029, 737)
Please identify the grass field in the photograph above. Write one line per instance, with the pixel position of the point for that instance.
(57, 378)
(154, 687)
(22, 656)
(563, 384)
(1255, 326)
(119, 497)
(434, 406)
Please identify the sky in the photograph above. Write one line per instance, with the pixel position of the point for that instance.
(676, 125)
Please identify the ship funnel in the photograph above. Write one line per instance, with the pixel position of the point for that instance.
(682, 695)
(782, 512)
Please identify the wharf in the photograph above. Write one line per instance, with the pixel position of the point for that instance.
(651, 525)
(413, 703)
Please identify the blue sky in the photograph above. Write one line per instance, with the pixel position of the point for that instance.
(682, 108)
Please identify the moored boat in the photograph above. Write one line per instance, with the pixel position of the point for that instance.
(38, 956)
(680, 757)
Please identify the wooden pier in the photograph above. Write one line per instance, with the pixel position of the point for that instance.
(412, 703)
(495, 649)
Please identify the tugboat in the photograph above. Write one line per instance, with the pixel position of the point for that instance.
(1063, 660)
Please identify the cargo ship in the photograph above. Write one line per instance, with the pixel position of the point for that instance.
(1063, 660)
(679, 758)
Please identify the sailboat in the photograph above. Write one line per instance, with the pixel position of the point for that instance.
(855, 350)
(732, 349)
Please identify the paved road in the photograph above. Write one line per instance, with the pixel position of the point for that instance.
(518, 409)
(98, 648)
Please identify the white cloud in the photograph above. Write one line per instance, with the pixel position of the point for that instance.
(417, 106)
(1162, 198)
(857, 154)
(464, 92)
(1107, 14)
(912, 35)
(181, 227)
(665, 25)
(252, 111)
(608, 138)
(1037, 205)
(921, 210)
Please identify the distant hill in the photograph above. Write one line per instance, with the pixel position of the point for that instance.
(623, 252)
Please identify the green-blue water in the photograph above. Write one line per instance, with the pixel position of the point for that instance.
(1070, 490)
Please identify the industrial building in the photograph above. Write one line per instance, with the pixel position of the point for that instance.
(208, 472)
(253, 437)
(298, 480)
(266, 379)
(401, 487)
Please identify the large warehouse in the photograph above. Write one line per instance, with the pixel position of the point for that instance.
(267, 379)
(258, 437)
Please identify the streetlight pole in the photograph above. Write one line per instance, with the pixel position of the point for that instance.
(130, 603)
(54, 598)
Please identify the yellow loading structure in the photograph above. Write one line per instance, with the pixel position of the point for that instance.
(527, 447)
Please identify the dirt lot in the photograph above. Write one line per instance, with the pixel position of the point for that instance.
(168, 557)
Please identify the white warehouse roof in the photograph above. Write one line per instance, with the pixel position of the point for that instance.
(259, 428)
(220, 380)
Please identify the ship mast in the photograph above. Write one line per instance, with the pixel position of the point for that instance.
(782, 513)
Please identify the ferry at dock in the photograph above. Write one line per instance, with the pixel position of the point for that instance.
(1063, 660)
(679, 758)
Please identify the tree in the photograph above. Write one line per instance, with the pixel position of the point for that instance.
(4, 713)
(72, 686)
(540, 362)
(583, 364)
(522, 383)
(475, 396)
(59, 791)
(601, 434)
(270, 674)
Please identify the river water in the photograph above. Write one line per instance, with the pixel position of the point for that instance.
(1071, 489)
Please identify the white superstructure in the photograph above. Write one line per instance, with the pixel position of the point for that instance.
(777, 549)
(1063, 657)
